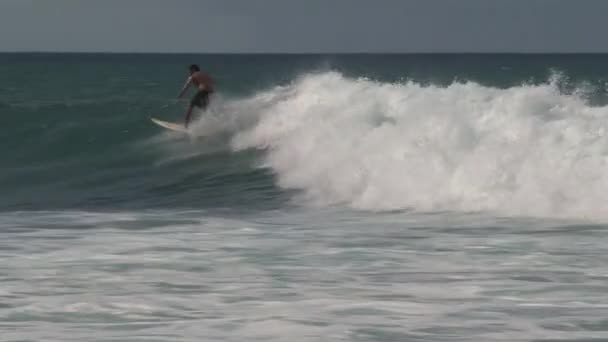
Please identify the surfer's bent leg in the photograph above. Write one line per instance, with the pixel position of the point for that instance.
(201, 100)
(188, 114)
(196, 101)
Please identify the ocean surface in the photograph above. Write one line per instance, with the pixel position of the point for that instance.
(454, 197)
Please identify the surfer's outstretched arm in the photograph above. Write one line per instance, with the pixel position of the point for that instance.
(188, 82)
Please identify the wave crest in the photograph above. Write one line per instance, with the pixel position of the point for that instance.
(526, 150)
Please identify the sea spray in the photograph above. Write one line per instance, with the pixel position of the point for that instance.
(525, 150)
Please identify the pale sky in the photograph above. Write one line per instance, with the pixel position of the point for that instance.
(294, 26)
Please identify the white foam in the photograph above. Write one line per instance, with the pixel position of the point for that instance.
(526, 150)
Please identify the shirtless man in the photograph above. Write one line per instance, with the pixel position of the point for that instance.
(204, 86)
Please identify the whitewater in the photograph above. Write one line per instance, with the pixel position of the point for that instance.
(529, 150)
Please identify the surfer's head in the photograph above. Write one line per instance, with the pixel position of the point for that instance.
(193, 68)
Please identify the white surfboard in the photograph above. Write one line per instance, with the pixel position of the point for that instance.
(170, 125)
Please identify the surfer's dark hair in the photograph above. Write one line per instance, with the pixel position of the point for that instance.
(194, 67)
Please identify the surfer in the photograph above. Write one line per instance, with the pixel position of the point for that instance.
(204, 87)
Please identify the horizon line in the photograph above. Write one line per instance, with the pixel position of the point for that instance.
(310, 53)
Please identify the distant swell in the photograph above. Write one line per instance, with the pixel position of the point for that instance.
(525, 150)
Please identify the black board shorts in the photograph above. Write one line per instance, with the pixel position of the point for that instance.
(201, 99)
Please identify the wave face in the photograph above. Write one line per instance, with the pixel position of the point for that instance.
(502, 134)
(524, 150)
